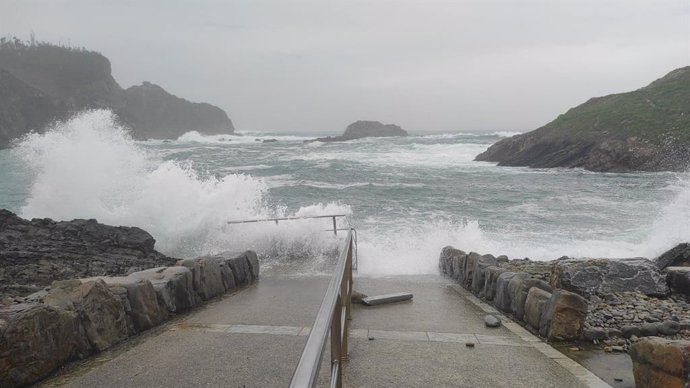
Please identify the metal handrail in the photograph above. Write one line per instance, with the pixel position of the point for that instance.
(276, 220)
(333, 318)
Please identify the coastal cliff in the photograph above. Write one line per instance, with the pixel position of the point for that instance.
(41, 83)
(361, 129)
(644, 130)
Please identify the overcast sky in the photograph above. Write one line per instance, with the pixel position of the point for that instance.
(425, 65)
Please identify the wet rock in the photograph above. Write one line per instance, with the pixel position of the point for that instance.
(144, 310)
(603, 276)
(678, 256)
(593, 333)
(208, 275)
(99, 310)
(174, 287)
(490, 285)
(36, 339)
(37, 252)
(668, 328)
(518, 288)
(492, 321)
(679, 279)
(502, 298)
(630, 331)
(534, 306)
(564, 316)
(468, 270)
(479, 273)
(648, 330)
(660, 363)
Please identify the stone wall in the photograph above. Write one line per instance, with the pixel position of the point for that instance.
(72, 319)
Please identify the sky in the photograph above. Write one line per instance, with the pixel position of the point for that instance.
(426, 65)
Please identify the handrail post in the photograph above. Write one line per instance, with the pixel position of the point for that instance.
(336, 344)
(335, 227)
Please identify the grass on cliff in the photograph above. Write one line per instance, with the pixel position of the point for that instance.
(658, 112)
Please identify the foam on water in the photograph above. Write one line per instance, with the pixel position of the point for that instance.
(89, 167)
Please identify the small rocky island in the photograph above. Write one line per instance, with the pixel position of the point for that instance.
(361, 129)
(644, 130)
(41, 83)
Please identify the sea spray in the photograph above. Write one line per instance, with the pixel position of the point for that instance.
(89, 167)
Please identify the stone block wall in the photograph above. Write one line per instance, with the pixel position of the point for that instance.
(73, 319)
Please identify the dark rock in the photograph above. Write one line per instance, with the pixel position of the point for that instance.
(678, 279)
(468, 270)
(502, 299)
(490, 285)
(668, 328)
(479, 273)
(593, 333)
(269, 140)
(534, 306)
(362, 129)
(210, 274)
(492, 321)
(37, 252)
(648, 330)
(629, 331)
(603, 276)
(518, 288)
(678, 256)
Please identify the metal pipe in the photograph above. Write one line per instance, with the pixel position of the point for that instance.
(333, 312)
(285, 219)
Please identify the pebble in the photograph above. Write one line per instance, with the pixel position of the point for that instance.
(492, 321)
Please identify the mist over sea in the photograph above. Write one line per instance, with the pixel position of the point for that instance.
(407, 197)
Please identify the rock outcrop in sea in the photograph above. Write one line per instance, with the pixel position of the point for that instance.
(361, 129)
(42, 83)
(644, 130)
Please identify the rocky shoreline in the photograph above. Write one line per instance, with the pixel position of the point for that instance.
(637, 306)
(75, 288)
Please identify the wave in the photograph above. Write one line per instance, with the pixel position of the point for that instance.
(89, 167)
(237, 138)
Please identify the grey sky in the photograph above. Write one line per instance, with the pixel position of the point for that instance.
(426, 65)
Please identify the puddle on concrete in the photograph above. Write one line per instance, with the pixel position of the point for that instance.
(608, 366)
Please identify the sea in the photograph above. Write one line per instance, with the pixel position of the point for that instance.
(406, 197)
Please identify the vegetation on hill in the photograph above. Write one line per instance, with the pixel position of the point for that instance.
(647, 129)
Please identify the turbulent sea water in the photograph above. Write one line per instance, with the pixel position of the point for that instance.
(407, 197)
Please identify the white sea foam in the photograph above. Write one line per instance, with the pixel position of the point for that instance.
(237, 138)
(88, 167)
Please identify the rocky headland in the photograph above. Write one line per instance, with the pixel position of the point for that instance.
(41, 83)
(361, 129)
(70, 289)
(644, 130)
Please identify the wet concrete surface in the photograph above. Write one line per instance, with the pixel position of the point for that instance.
(609, 366)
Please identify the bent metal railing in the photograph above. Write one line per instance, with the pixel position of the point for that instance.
(277, 220)
(332, 318)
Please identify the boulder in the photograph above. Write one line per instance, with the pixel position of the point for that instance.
(174, 287)
(593, 333)
(208, 273)
(490, 284)
(253, 260)
(101, 313)
(668, 328)
(241, 269)
(678, 279)
(468, 269)
(457, 263)
(518, 288)
(502, 297)
(629, 330)
(564, 316)
(445, 260)
(35, 340)
(534, 306)
(143, 308)
(678, 256)
(660, 363)
(479, 273)
(492, 321)
(605, 276)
